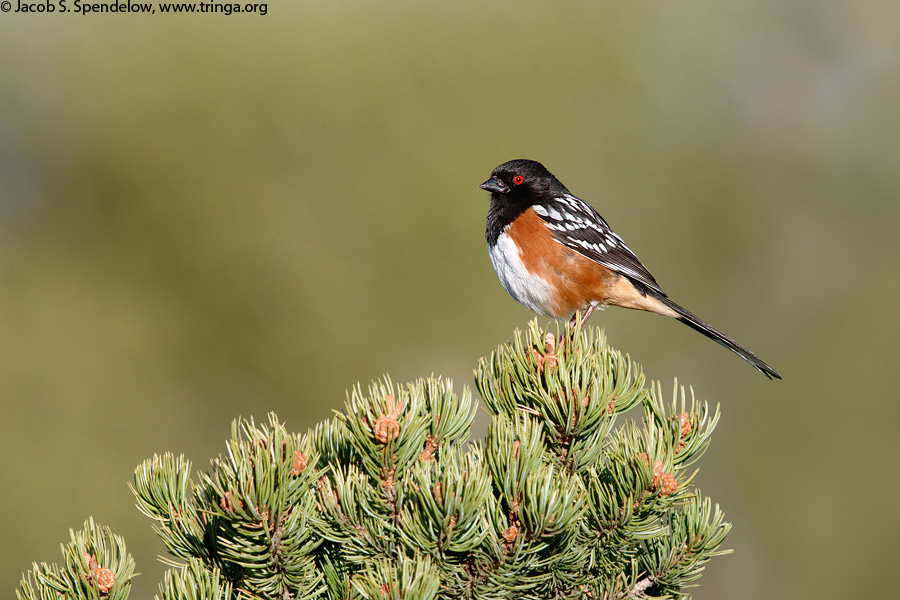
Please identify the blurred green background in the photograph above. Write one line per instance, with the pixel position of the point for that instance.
(203, 217)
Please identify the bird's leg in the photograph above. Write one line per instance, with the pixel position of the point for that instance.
(584, 316)
(570, 326)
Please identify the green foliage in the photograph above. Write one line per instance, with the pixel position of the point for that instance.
(391, 499)
(195, 581)
(95, 566)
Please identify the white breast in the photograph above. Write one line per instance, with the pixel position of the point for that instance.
(525, 288)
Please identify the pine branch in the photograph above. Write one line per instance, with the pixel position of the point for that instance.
(97, 567)
(390, 499)
(194, 581)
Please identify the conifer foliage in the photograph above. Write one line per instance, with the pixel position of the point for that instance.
(391, 498)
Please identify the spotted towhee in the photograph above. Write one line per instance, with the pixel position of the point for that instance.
(555, 254)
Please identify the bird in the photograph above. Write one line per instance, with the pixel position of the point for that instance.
(555, 254)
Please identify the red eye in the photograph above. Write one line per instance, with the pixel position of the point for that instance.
(518, 179)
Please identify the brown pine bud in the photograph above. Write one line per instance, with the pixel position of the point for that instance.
(299, 463)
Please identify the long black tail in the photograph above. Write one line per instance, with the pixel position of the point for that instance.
(698, 324)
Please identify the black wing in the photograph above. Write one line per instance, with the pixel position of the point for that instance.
(577, 225)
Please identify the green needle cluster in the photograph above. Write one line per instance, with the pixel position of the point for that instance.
(391, 499)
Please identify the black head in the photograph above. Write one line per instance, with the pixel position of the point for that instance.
(515, 186)
(522, 182)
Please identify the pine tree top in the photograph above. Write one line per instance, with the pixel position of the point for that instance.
(391, 498)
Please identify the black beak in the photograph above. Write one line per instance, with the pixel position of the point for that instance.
(494, 185)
